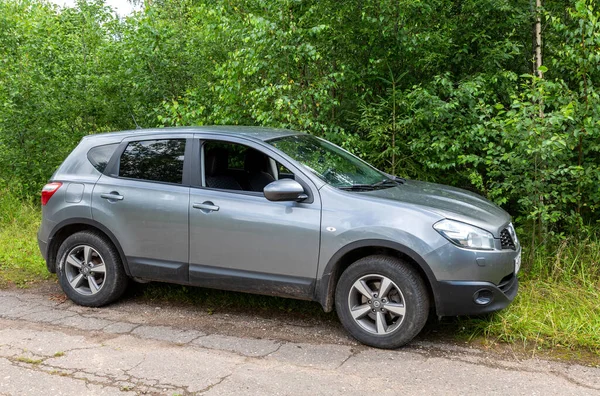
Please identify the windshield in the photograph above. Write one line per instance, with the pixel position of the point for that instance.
(330, 163)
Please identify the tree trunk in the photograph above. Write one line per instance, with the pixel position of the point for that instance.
(537, 40)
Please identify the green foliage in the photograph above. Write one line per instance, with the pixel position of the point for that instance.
(435, 90)
(20, 260)
(546, 315)
(557, 305)
(544, 158)
(529, 144)
(52, 85)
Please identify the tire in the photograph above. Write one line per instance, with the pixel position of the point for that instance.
(383, 321)
(91, 286)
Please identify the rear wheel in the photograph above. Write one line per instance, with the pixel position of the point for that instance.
(89, 270)
(382, 301)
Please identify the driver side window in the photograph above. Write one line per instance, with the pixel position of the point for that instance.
(234, 166)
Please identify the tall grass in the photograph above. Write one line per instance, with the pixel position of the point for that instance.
(20, 260)
(571, 260)
(558, 305)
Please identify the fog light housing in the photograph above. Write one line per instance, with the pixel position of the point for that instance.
(483, 297)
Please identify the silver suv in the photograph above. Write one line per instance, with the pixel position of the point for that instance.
(274, 212)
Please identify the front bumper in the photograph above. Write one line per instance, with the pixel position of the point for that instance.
(473, 282)
(455, 298)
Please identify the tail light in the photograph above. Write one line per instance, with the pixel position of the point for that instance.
(48, 191)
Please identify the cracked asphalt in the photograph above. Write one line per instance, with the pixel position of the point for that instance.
(51, 346)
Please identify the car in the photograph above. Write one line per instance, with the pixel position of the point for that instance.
(274, 212)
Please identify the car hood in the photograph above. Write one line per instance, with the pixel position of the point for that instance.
(449, 202)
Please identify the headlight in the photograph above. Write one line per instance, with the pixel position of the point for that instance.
(465, 235)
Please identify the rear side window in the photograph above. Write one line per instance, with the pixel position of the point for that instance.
(100, 155)
(156, 160)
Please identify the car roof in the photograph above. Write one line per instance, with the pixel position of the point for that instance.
(259, 133)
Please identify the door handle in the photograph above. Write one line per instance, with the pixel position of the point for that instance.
(206, 206)
(113, 196)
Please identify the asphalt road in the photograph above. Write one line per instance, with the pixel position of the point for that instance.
(50, 346)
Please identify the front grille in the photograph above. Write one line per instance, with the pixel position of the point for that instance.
(507, 283)
(506, 239)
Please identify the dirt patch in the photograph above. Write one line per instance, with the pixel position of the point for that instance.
(225, 313)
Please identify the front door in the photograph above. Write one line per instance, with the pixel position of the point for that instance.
(241, 241)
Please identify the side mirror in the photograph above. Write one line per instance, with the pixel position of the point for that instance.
(284, 190)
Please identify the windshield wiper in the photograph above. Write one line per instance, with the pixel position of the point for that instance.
(355, 187)
(370, 187)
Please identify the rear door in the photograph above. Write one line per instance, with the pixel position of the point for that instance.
(143, 199)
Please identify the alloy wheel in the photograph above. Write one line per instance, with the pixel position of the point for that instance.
(377, 304)
(85, 270)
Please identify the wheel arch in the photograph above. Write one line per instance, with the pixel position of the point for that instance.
(71, 226)
(326, 285)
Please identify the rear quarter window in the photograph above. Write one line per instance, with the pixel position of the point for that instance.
(100, 155)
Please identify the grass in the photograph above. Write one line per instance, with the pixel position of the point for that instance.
(28, 360)
(545, 315)
(20, 260)
(557, 308)
(558, 305)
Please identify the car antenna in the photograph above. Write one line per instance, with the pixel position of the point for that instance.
(135, 122)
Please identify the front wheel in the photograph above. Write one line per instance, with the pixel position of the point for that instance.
(382, 301)
(89, 269)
